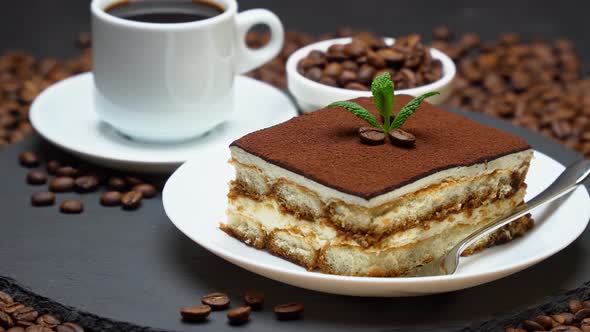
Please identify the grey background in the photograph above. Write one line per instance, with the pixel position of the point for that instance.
(136, 267)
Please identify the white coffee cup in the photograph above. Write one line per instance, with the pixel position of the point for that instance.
(173, 81)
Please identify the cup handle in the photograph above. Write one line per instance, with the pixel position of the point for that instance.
(248, 58)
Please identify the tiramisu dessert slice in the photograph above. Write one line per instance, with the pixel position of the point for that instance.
(324, 194)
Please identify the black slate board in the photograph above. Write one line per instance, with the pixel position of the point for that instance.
(136, 267)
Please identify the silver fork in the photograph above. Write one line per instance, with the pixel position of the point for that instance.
(570, 179)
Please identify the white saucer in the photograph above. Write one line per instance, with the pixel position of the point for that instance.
(197, 211)
(64, 115)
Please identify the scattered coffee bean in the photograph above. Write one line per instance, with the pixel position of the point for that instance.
(5, 298)
(402, 138)
(5, 320)
(71, 206)
(67, 171)
(575, 306)
(133, 181)
(217, 301)
(545, 321)
(61, 184)
(531, 325)
(110, 198)
(564, 318)
(29, 159)
(195, 314)
(131, 200)
(43, 198)
(254, 299)
(48, 320)
(12, 307)
(16, 329)
(69, 327)
(27, 314)
(35, 177)
(371, 136)
(38, 328)
(147, 190)
(581, 314)
(289, 311)
(116, 183)
(52, 166)
(86, 183)
(239, 316)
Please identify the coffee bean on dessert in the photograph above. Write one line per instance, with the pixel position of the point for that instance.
(289, 311)
(67, 171)
(48, 320)
(5, 299)
(5, 320)
(71, 206)
(61, 184)
(35, 177)
(29, 159)
(52, 166)
(254, 299)
(131, 200)
(575, 306)
(402, 138)
(147, 190)
(110, 198)
(371, 136)
(69, 327)
(86, 183)
(43, 198)
(195, 314)
(216, 301)
(27, 314)
(116, 183)
(239, 315)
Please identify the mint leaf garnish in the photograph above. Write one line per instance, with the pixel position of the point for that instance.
(409, 109)
(383, 98)
(358, 111)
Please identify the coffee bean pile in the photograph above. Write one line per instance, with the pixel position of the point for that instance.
(355, 65)
(124, 190)
(17, 317)
(577, 319)
(253, 300)
(22, 78)
(538, 85)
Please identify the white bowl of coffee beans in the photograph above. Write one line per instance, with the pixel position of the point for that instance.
(343, 68)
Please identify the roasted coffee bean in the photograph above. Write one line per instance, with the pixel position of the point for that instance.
(5, 298)
(391, 55)
(545, 321)
(328, 81)
(442, 33)
(365, 74)
(333, 69)
(12, 307)
(86, 183)
(575, 306)
(67, 171)
(27, 314)
(110, 198)
(216, 301)
(48, 320)
(376, 60)
(16, 329)
(29, 159)
(35, 177)
(116, 183)
(239, 315)
(289, 311)
(564, 328)
(147, 190)
(355, 49)
(313, 73)
(402, 138)
(347, 76)
(69, 327)
(586, 304)
(52, 166)
(195, 314)
(5, 320)
(38, 328)
(564, 318)
(254, 299)
(71, 206)
(131, 200)
(350, 65)
(43, 198)
(61, 184)
(371, 136)
(581, 314)
(24, 323)
(531, 325)
(356, 86)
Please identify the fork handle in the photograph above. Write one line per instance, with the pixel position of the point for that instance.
(567, 181)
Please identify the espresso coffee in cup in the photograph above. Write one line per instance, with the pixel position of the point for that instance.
(164, 69)
(164, 11)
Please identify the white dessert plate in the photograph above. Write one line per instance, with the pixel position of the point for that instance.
(64, 115)
(195, 200)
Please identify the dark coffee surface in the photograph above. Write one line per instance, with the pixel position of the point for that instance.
(136, 267)
(164, 11)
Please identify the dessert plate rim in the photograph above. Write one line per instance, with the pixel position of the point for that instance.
(390, 287)
(98, 142)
